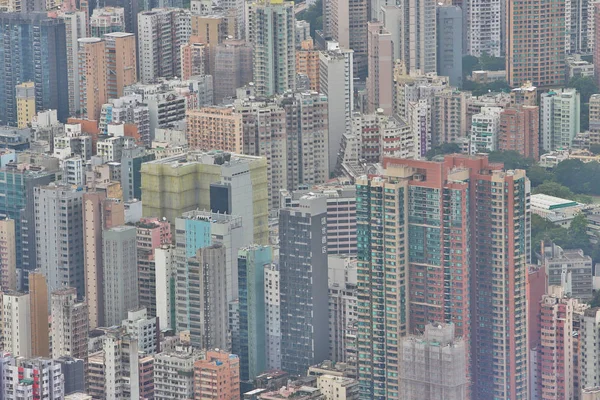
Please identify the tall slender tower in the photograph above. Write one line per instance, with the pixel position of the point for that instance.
(271, 30)
(8, 256)
(92, 75)
(121, 59)
(38, 297)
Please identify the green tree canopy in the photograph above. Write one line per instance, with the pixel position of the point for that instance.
(511, 159)
(314, 15)
(585, 85)
(444, 148)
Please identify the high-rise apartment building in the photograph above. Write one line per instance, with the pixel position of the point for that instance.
(273, 316)
(439, 207)
(166, 268)
(484, 28)
(38, 307)
(75, 29)
(194, 58)
(589, 348)
(251, 264)
(8, 255)
(432, 365)
(107, 20)
(485, 129)
(25, 103)
(59, 236)
(35, 51)
(233, 68)
(92, 76)
(449, 32)
(16, 324)
(217, 376)
(303, 284)
(214, 128)
(271, 32)
(70, 325)
(559, 119)
(336, 81)
(144, 329)
(520, 131)
(307, 63)
(569, 268)
(221, 182)
(537, 57)
(345, 21)
(31, 378)
(121, 59)
(211, 30)
(412, 26)
(381, 64)
(174, 373)
(120, 280)
(449, 116)
(152, 233)
(161, 32)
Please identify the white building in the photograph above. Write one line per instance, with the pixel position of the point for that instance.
(127, 110)
(419, 121)
(29, 379)
(70, 324)
(484, 26)
(336, 81)
(484, 130)
(74, 171)
(589, 344)
(143, 328)
(338, 387)
(174, 373)
(164, 261)
(16, 326)
(559, 119)
(272, 316)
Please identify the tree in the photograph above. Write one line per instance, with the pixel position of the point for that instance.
(538, 175)
(511, 159)
(444, 148)
(491, 63)
(314, 15)
(585, 85)
(470, 64)
(595, 148)
(554, 189)
(584, 117)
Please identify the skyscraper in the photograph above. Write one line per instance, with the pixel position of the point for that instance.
(69, 325)
(34, 50)
(38, 306)
(338, 19)
(251, 264)
(303, 285)
(92, 76)
(537, 57)
(449, 32)
(120, 281)
(121, 59)
(381, 64)
(271, 31)
(75, 29)
(59, 236)
(439, 231)
(485, 27)
(16, 324)
(8, 255)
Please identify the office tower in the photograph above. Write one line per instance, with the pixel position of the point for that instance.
(233, 68)
(16, 327)
(143, 328)
(381, 58)
(485, 128)
(408, 183)
(555, 352)
(235, 187)
(69, 325)
(341, 214)
(152, 233)
(214, 128)
(174, 373)
(17, 203)
(8, 256)
(204, 311)
(343, 310)
(436, 371)
(120, 63)
(303, 285)
(336, 81)
(559, 119)
(164, 260)
(449, 32)
(570, 269)
(307, 138)
(265, 134)
(217, 376)
(75, 29)
(540, 60)
(251, 264)
(99, 214)
(25, 103)
(31, 378)
(520, 131)
(59, 236)
(449, 122)
(413, 32)
(484, 27)
(210, 30)
(38, 307)
(308, 61)
(120, 280)
(33, 39)
(161, 33)
(107, 20)
(92, 76)
(74, 372)
(343, 15)
(271, 32)
(272, 317)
